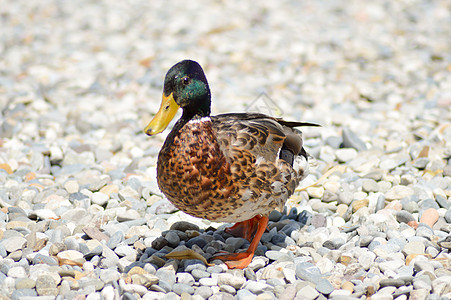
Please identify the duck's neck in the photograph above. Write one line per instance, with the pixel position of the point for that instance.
(200, 113)
(185, 119)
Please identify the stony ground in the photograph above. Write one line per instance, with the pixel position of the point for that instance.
(81, 214)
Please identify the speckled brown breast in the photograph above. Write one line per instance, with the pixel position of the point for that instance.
(224, 171)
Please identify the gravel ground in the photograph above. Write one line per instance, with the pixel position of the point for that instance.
(82, 217)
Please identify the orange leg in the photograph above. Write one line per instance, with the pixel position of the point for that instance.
(245, 229)
(242, 260)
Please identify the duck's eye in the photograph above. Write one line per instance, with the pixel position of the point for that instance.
(185, 80)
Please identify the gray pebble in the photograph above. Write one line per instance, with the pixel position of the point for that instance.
(380, 204)
(46, 286)
(334, 244)
(324, 286)
(180, 288)
(166, 275)
(115, 239)
(185, 278)
(208, 281)
(165, 286)
(109, 276)
(231, 279)
(391, 282)
(424, 230)
(304, 217)
(129, 296)
(25, 283)
(275, 216)
(351, 140)
(159, 243)
(404, 216)
(345, 197)
(428, 203)
(199, 241)
(44, 259)
(307, 292)
(448, 216)
(369, 185)
(124, 250)
(422, 282)
(334, 141)
(184, 226)
(250, 274)
(345, 154)
(236, 242)
(14, 243)
(198, 274)
(17, 272)
(173, 239)
(227, 289)
(423, 266)
(275, 281)
(257, 287)
(319, 220)
(204, 291)
(329, 197)
(215, 269)
(375, 175)
(91, 282)
(99, 198)
(443, 202)
(441, 285)
(155, 260)
(421, 163)
(279, 239)
(411, 207)
(365, 240)
(275, 255)
(23, 294)
(192, 264)
(245, 295)
(222, 296)
(3, 252)
(308, 272)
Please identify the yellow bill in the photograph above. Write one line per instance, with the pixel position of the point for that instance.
(164, 116)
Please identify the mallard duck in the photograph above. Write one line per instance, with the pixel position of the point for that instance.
(234, 167)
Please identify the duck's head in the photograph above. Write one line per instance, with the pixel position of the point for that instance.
(185, 86)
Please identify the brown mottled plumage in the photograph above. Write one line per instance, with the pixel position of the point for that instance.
(229, 167)
(209, 169)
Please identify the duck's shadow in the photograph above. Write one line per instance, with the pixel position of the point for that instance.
(282, 232)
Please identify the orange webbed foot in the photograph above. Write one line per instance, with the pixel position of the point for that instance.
(235, 260)
(245, 229)
(242, 260)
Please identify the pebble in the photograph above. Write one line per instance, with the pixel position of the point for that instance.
(307, 292)
(99, 198)
(46, 286)
(229, 279)
(204, 291)
(370, 185)
(180, 288)
(345, 154)
(13, 243)
(308, 272)
(351, 140)
(324, 287)
(398, 192)
(245, 295)
(429, 217)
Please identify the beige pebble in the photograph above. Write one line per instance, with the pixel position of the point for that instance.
(429, 217)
